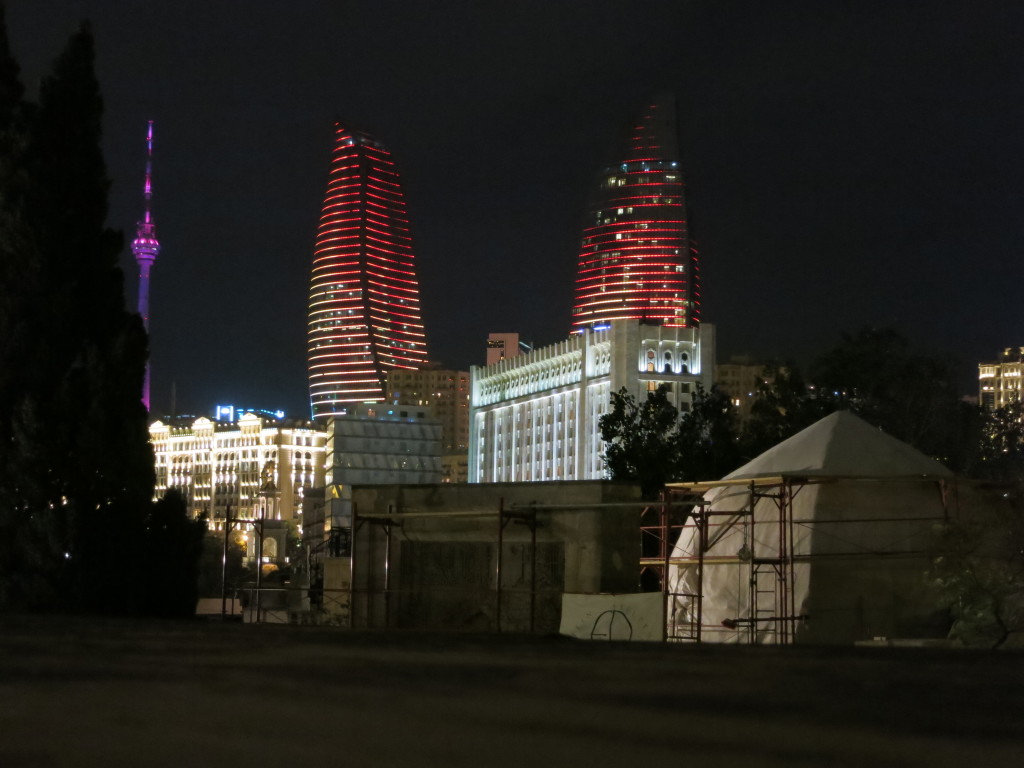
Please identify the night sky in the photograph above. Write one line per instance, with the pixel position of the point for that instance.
(847, 164)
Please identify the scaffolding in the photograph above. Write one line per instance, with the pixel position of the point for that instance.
(770, 578)
(771, 614)
(394, 519)
(372, 580)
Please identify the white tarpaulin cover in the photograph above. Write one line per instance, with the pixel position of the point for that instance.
(861, 529)
(613, 617)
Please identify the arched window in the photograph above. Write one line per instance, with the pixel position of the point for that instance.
(270, 548)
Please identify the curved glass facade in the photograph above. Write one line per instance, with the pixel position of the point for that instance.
(364, 305)
(636, 260)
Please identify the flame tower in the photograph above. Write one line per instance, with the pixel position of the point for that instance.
(364, 305)
(636, 260)
(146, 248)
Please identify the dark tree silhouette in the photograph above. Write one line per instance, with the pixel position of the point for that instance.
(877, 374)
(784, 405)
(650, 443)
(707, 437)
(978, 560)
(78, 530)
(641, 443)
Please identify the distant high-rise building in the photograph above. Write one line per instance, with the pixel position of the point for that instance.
(502, 345)
(364, 304)
(145, 248)
(447, 394)
(636, 260)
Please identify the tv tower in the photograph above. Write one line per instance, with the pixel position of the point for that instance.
(146, 248)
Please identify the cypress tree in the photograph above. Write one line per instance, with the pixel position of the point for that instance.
(78, 529)
(29, 565)
(93, 364)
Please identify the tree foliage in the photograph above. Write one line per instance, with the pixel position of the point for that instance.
(77, 525)
(640, 439)
(877, 374)
(978, 562)
(978, 566)
(785, 404)
(650, 443)
(707, 437)
(1000, 455)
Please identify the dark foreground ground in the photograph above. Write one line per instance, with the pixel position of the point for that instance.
(148, 694)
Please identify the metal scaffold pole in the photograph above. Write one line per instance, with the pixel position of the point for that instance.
(387, 570)
(352, 570)
(224, 567)
(533, 570)
(666, 553)
(701, 520)
(497, 569)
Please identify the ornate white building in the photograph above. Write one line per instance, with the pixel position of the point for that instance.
(999, 383)
(255, 465)
(535, 416)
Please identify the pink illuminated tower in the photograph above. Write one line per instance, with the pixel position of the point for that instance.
(146, 248)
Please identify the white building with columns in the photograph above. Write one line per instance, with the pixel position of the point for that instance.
(534, 417)
(229, 465)
(999, 383)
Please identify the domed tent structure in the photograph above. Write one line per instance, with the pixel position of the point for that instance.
(821, 539)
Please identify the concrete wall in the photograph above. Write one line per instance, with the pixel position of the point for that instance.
(441, 566)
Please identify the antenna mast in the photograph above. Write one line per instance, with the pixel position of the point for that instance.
(145, 248)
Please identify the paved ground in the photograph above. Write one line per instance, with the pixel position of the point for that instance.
(148, 694)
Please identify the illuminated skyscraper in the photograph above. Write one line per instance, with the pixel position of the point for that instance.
(364, 304)
(146, 248)
(636, 259)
